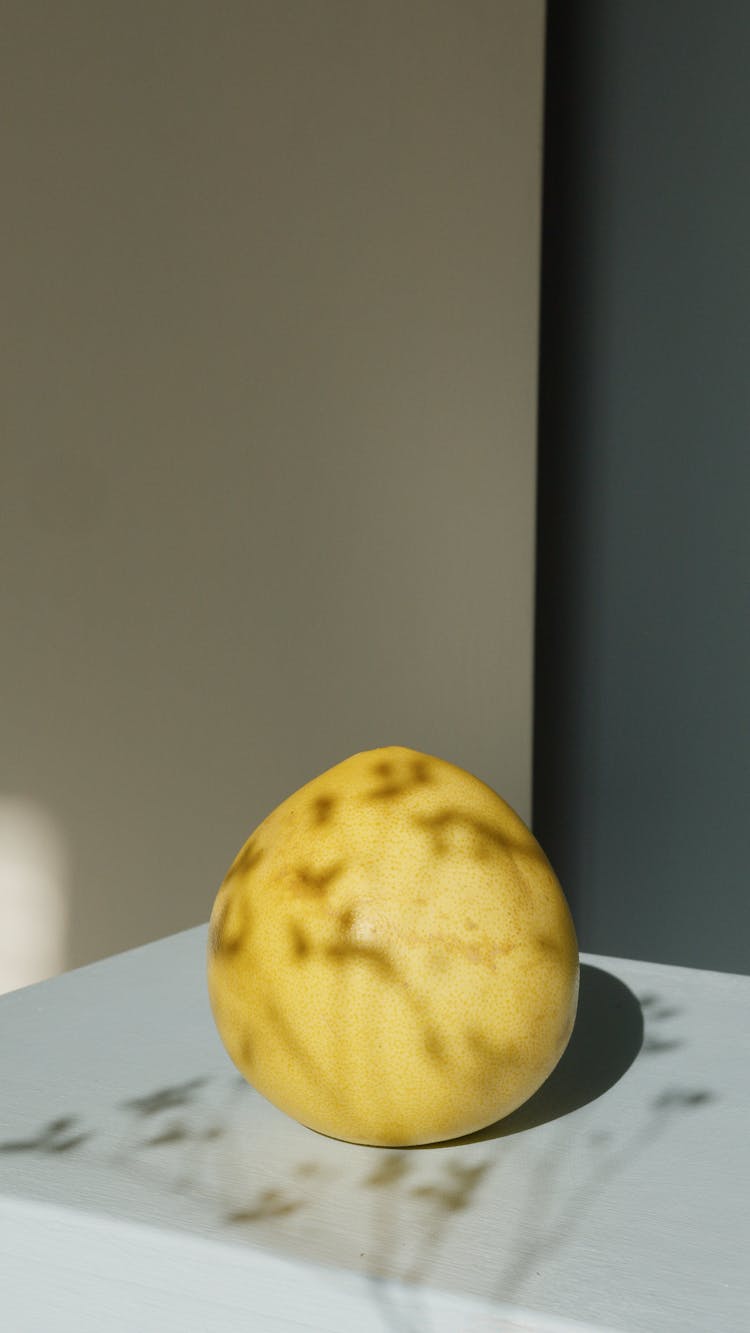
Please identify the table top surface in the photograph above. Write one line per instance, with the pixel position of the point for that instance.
(616, 1198)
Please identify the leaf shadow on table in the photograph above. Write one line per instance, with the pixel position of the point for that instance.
(174, 1137)
(607, 1037)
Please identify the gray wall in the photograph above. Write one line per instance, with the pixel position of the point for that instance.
(269, 364)
(642, 752)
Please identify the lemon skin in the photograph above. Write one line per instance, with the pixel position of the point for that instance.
(391, 959)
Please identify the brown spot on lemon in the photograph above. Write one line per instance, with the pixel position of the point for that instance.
(489, 1052)
(323, 808)
(433, 1043)
(461, 832)
(399, 779)
(229, 929)
(300, 942)
(407, 964)
(318, 881)
(246, 861)
(216, 926)
(347, 951)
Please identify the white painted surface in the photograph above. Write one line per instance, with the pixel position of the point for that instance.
(144, 1185)
(115, 1277)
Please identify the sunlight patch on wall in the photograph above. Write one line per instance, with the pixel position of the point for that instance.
(33, 894)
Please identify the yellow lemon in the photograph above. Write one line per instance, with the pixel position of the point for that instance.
(391, 959)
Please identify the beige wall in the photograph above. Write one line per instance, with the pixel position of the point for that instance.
(269, 321)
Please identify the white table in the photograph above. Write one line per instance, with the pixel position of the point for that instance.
(144, 1186)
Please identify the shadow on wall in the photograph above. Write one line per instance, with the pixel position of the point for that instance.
(34, 879)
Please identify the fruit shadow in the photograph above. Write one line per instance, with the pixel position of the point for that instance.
(606, 1039)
